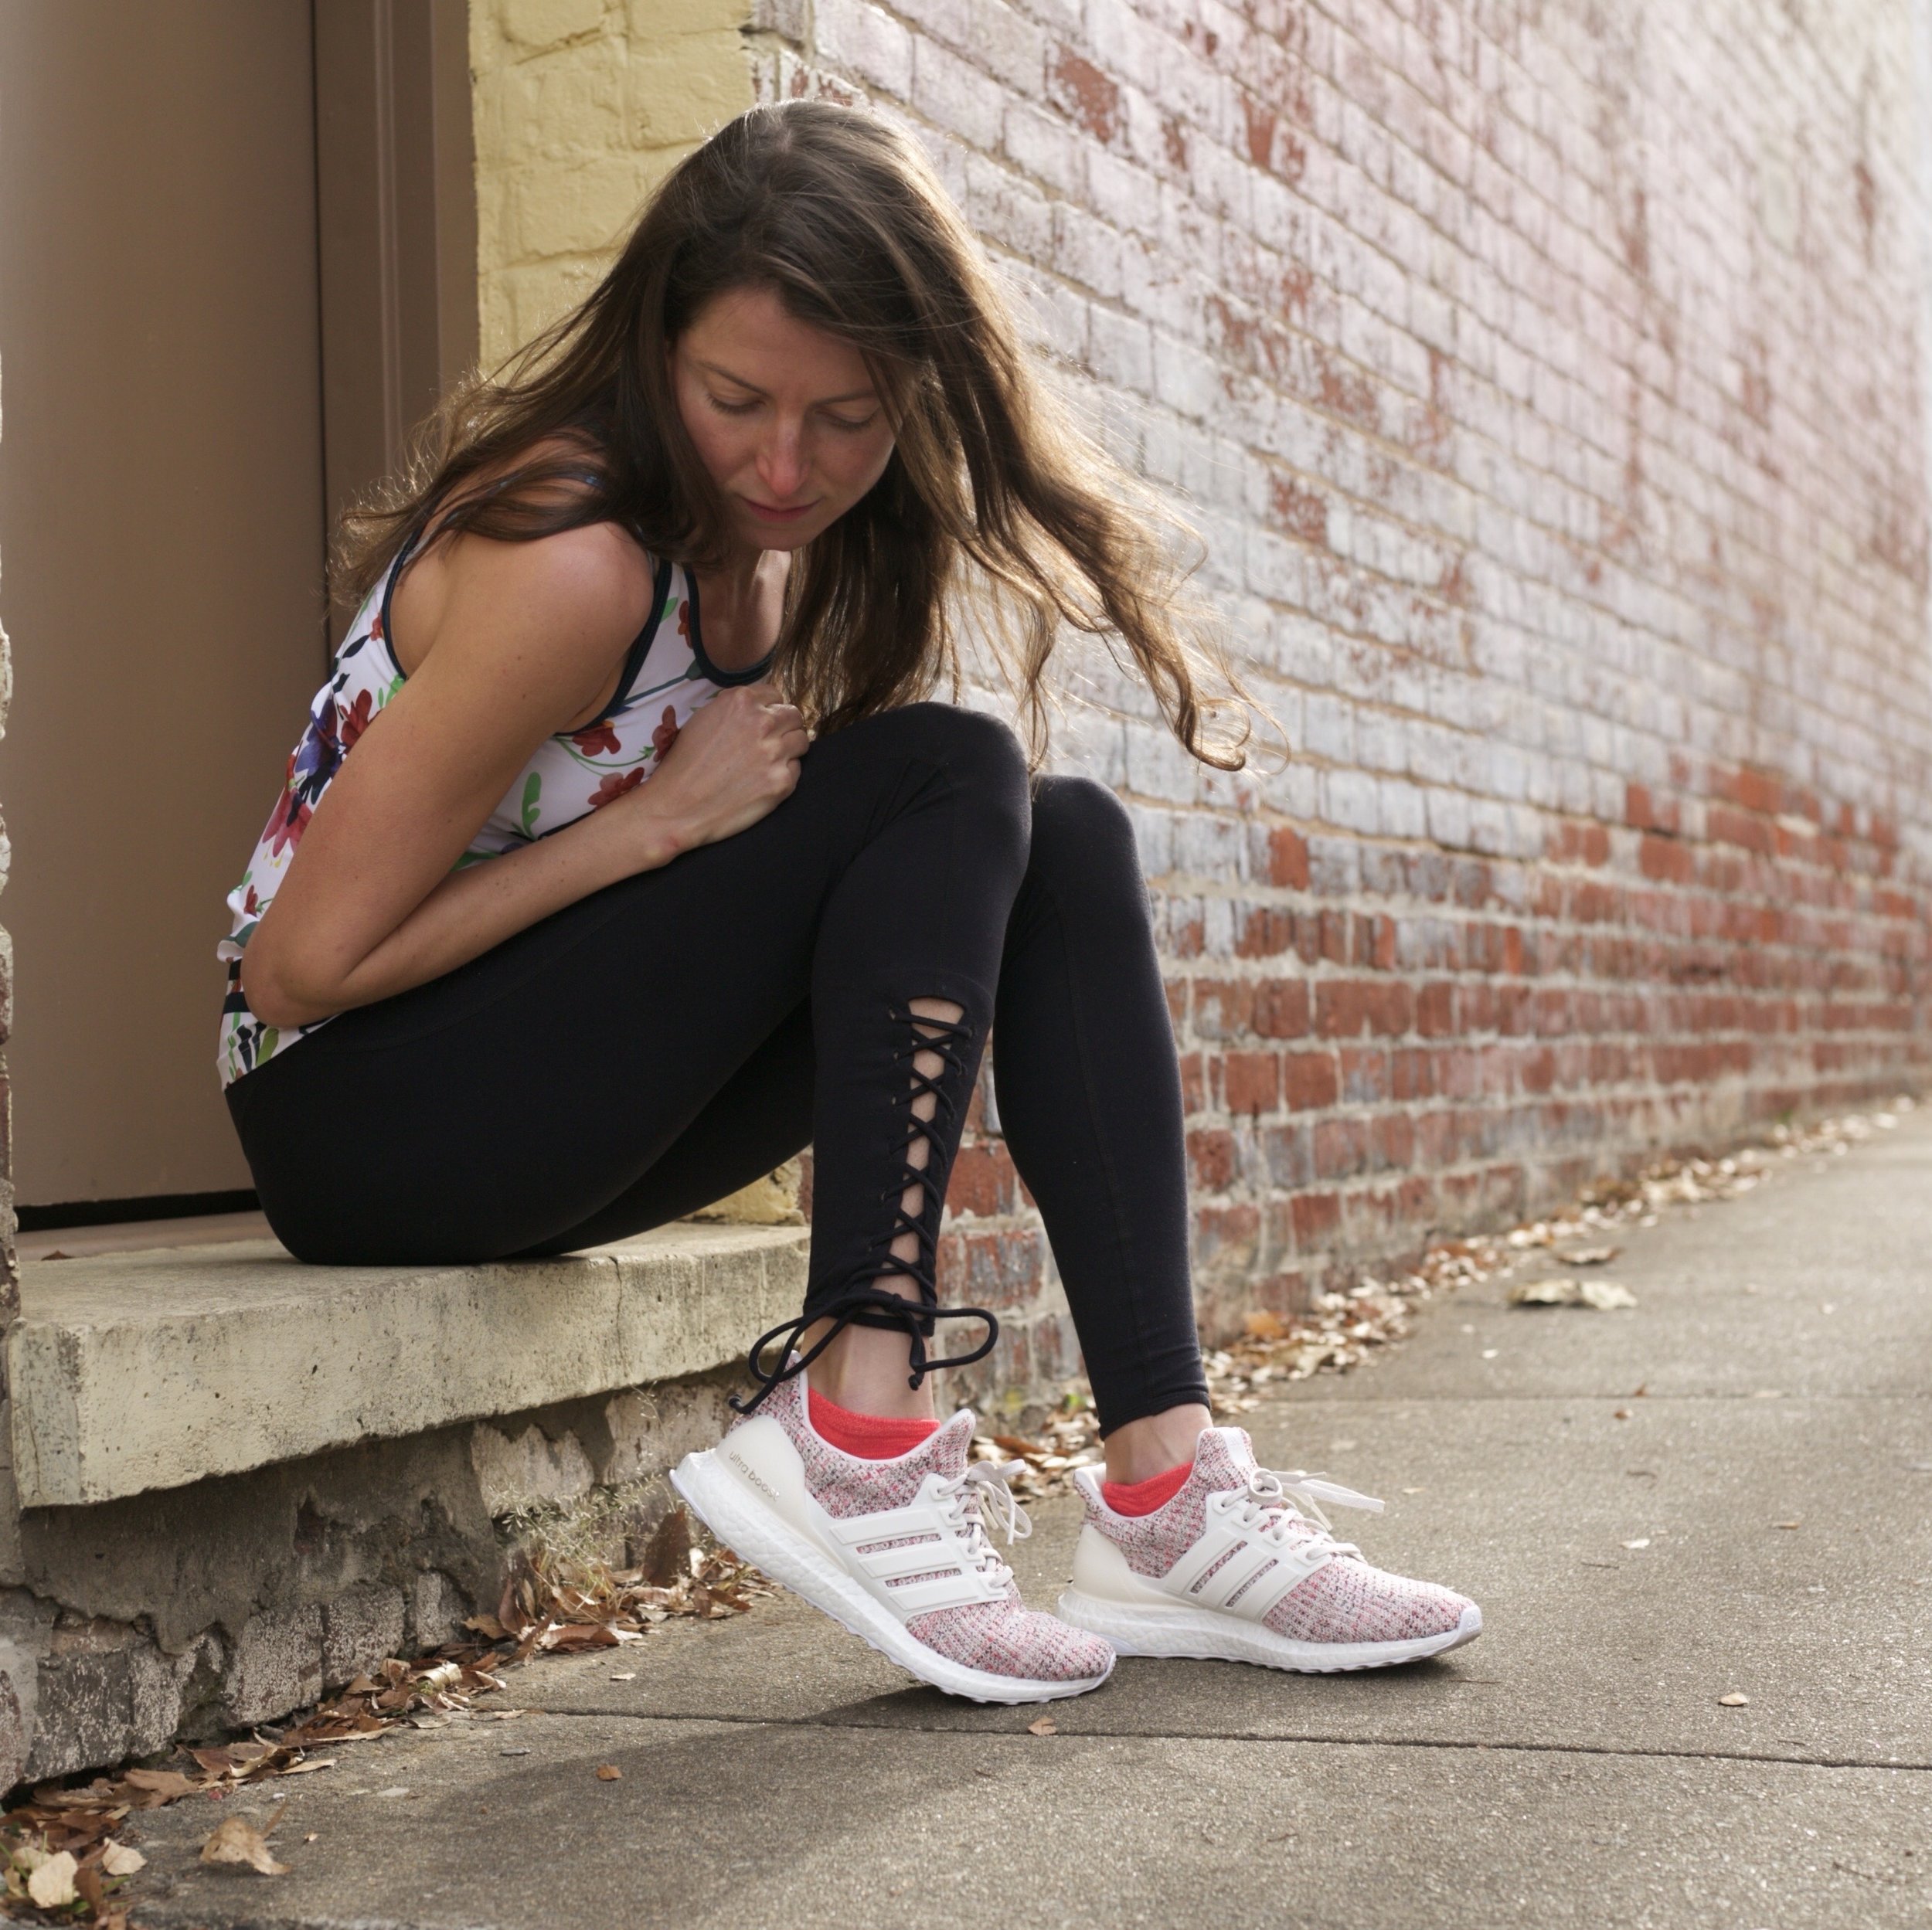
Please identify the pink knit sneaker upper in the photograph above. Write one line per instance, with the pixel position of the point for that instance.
(1346, 1600)
(1004, 1637)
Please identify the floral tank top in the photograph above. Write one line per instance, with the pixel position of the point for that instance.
(665, 678)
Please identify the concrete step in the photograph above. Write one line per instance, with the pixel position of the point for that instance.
(131, 1372)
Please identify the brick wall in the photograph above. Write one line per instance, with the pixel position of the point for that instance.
(1550, 382)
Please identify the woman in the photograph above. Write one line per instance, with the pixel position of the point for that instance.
(622, 858)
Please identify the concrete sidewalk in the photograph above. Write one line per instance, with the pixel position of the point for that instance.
(1573, 1766)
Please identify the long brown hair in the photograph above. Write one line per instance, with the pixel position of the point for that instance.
(843, 217)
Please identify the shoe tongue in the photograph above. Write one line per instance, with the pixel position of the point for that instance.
(950, 1447)
(1223, 1459)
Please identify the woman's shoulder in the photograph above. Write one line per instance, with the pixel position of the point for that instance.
(597, 560)
(586, 590)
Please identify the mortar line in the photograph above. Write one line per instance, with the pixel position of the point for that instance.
(1243, 1735)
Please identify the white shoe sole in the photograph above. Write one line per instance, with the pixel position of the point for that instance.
(757, 1533)
(1206, 1635)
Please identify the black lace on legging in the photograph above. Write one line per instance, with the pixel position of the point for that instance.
(859, 1304)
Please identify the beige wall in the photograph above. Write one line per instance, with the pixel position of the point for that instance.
(580, 106)
(9, 1271)
(135, 301)
(161, 504)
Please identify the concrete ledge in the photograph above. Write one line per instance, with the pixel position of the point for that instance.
(132, 1372)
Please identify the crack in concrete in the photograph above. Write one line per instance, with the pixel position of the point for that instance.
(1251, 1735)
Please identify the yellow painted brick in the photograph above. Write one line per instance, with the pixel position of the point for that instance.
(493, 237)
(496, 335)
(770, 1201)
(580, 209)
(543, 23)
(531, 298)
(562, 106)
(654, 20)
(683, 91)
(580, 107)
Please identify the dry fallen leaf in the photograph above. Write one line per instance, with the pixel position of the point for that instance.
(666, 1557)
(120, 1860)
(624, 1675)
(1798, 1523)
(1604, 1296)
(1045, 1726)
(1589, 1255)
(1622, 1414)
(609, 1772)
(51, 1886)
(1733, 1700)
(1642, 1541)
(163, 1784)
(91, 1888)
(236, 1839)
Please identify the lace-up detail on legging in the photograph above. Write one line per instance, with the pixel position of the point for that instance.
(861, 1303)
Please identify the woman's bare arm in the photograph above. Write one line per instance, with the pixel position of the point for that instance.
(527, 635)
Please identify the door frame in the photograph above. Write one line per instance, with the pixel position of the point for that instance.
(395, 229)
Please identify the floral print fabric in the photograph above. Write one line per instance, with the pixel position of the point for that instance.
(666, 679)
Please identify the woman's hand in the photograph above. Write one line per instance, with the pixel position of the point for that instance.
(734, 762)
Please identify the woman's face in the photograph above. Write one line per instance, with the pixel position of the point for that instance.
(784, 416)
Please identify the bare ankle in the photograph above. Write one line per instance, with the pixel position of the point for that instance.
(867, 1370)
(1156, 1442)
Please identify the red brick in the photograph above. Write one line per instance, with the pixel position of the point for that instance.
(1280, 1008)
(1310, 1080)
(1210, 1152)
(1224, 1008)
(1251, 1081)
(982, 1179)
(1314, 1216)
(1078, 88)
(1345, 1008)
(1288, 858)
(1267, 932)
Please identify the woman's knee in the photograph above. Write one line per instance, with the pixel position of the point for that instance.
(1080, 826)
(959, 736)
(981, 754)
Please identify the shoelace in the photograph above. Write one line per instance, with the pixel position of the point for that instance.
(1280, 1498)
(866, 1307)
(981, 1494)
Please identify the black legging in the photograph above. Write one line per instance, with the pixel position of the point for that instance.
(669, 1039)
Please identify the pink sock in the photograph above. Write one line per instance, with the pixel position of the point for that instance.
(1143, 1498)
(871, 1437)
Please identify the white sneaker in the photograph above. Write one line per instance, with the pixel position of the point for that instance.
(1232, 1567)
(896, 1551)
